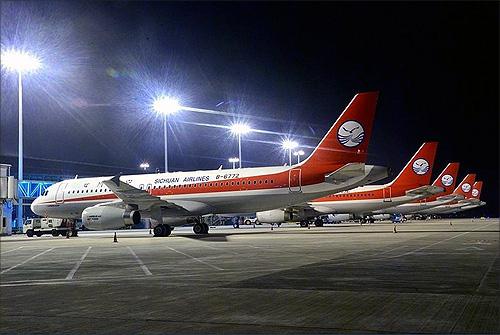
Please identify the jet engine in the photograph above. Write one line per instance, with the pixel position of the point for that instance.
(108, 217)
(274, 216)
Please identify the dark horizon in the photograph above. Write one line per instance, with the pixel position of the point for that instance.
(290, 68)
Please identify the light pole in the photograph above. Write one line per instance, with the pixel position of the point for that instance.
(289, 145)
(166, 106)
(298, 154)
(21, 62)
(234, 160)
(240, 129)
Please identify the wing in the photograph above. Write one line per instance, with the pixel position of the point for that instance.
(140, 199)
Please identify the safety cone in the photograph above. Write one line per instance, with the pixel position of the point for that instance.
(451, 224)
(395, 231)
(115, 240)
(272, 226)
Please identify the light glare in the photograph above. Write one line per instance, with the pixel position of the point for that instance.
(289, 145)
(166, 105)
(240, 128)
(14, 60)
(234, 160)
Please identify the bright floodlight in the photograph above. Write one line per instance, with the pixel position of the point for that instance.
(240, 128)
(234, 160)
(20, 61)
(299, 153)
(166, 105)
(289, 145)
(144, 166)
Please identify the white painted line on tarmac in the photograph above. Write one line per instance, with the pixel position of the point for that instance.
(77, 265)
(142, 265)
(196, 259)
(26, 261)
(6, 252)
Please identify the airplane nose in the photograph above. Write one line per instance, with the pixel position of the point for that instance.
(35, 206)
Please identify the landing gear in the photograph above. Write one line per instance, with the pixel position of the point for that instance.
(318, 222)
(162, 230)
(200, 228)
(304, 223)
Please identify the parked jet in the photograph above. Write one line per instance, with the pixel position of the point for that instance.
(472, 202)
(463, 191)
(446, 180)
(336, 164)
(411, 184)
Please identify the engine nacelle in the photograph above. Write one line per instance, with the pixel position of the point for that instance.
(275, 216)
(107, 217)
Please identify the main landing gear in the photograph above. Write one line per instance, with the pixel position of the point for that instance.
(162, 230)
(200, 227)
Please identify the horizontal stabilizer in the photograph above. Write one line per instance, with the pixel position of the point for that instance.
(348, 171)
(426, 190)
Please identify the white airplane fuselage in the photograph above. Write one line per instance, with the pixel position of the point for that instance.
(199, 192)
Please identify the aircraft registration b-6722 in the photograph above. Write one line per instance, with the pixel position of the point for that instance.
(336, 164)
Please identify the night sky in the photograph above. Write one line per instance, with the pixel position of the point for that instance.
(286, 68)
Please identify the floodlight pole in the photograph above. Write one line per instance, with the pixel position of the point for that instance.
(20, 148)
(165, 138)
(239, 149)
(290, 156)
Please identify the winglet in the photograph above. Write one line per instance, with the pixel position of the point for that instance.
(417, 172)
(348, 138)
(116, 180)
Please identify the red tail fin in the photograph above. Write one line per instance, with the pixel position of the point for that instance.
(348, 138)
(448, 178)
(476, 190)
(465, 187)
(418, 170)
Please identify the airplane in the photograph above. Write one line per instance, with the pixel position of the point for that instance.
(411, 184)
(446, 180)
(472, 202)
(463, 191)
(177, 198)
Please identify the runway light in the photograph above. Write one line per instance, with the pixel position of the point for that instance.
(166, 105)
(240, 128)
(289, 145)
(20, 61)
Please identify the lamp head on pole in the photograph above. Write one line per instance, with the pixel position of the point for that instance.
(166, 105)
(289, 144)
(20, 61)
(240, 128)
(234, 160)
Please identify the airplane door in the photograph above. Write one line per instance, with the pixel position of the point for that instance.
(294, 180)
(387, 194)
(148, 188)
(60, 193)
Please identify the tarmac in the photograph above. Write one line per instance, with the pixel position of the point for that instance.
(428, 277)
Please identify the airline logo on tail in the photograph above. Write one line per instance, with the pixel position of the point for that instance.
(420, 166)
(447, 180)
(351, 134)
(466, 187)
(475, 192)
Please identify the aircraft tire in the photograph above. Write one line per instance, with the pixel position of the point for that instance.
(167, 230)
(199, 228)
(158, 230)
(304, 223)
(205, 228)
(318, 223)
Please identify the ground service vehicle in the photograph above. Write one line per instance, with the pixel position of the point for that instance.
(55, 227)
